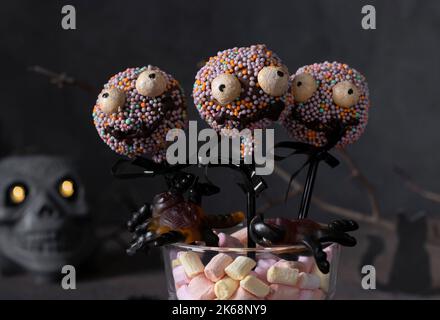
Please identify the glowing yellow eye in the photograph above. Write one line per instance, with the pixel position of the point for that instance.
(66, 188)
(17, 194)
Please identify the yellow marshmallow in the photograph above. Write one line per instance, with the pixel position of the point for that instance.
(175, 263)
(255, 286)
(191, 263)
(282, 275)
(225, 288)
(240, 267)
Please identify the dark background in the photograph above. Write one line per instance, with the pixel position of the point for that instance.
(400, 60)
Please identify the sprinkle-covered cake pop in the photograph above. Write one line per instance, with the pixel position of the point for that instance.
(135, 110)
(326, 93)
(241, 88)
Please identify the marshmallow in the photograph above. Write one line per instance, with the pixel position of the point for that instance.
(227, 241)
(255, 286)
(215, 269)
(200, 288)
(324, 279)
(240, 267)
(260, 275)
(183, 294)
(175, 263)
(291, 264)
(330, 251)
(282, 292)
(241, 235)
(242, 294)
(311, 295)
(308, 281)
(225, 288)
(191, 263)
(262, 266)
(180, 277)
(308, 262)
(287, 276)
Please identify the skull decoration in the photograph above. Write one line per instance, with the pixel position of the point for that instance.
(44, 218)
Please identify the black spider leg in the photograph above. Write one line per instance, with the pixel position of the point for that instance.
(314, 245)
(265, 234)
(139, 218)
(210, 238)
(180, 181)
(337, 232)
(150, 239)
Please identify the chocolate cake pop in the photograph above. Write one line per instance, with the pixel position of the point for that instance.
(241, 88)
(135, 110)
(326, 93)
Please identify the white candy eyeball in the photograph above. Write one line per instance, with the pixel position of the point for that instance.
(151, 83)
(274, 80)
(345, 94)
(303, 87)
(225, 88)
(110, 100)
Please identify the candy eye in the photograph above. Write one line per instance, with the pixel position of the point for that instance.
(67, 188)
(303, 87)
(16, 194)
(225, 88)
(151, 83)
(111, 99)
(345, 94)
(274, 80)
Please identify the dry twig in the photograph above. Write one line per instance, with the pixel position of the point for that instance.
(62, 79)
(416, 188)
(371, 218)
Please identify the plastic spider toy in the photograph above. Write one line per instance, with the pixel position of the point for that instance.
(281, 231)
(171, 218)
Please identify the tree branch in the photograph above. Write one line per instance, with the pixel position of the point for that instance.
(62, 79)
(372, 218)
(416, 188)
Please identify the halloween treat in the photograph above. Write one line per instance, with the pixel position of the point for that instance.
(45, 221)
(135, 110)
(255, 286)
(282, 231)
(275, 280)
(242, 88)
(327, 97)
(240, 267)
(173, 218)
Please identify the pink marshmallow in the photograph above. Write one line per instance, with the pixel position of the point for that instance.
(200, 288)
(330, 251)
(316, 294)
(260, 275)
(180, 277)
(227, 241)
(308, 262)
(308, 281)
(242, 294)
(241, 235)
(183, 294)
(262, 266)
(282, 292)
(291, 264)
(215, 269)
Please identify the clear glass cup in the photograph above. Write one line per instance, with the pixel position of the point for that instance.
(310, 283)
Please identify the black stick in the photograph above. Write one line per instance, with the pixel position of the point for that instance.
(250, 214)
(308, 188)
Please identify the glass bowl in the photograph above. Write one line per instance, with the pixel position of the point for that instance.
(195, 272)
